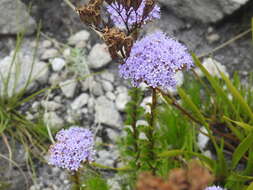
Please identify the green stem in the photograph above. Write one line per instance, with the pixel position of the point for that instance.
(152, 130)
(75, 178)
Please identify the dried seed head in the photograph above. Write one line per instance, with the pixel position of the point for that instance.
(116, 41)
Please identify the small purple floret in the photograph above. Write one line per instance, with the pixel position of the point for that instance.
(155, 59)
(214, 188)
(73, 146)
(119, 14)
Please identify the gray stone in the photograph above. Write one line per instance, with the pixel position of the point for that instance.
(68, 87)
(46, 44)
(21, 72)
(107, 86)
(58, 64)
(14, 18)
(96, 88)
(204, 10)
(80, 101)
(53, 120)
(121, 101)
(110, 95)
(106, 112)
(49, 53)
(54, 79)
(51, 105)
(106, 75)
(99, 56)
(79, 39)
(112, 134)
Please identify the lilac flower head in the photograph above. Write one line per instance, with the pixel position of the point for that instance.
(119, 14)
(214, 188)
(155, 59)
(73, 146)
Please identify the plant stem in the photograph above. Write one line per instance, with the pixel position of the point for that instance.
(152, 129)
(75, 178)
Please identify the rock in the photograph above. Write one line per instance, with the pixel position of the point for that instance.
(202, 139)
(54, 79)
(145, 102)
(112, 134)
(86, 83)
(99, 56)
(106, 75)
(58, 64)
(121, 101)
(107, 86)
(53, 120)
(79, 39)
(213, 67)
(66, 53)
(121, 89)
(50, 105)
(49, 53)
(204, 10)
(180, 80)
(106, 112)
(22, 71)
(68, 87)
(212, 38)
(80, 101)
(96, 88)
(110, 96)
(14, 18)
(46, 44)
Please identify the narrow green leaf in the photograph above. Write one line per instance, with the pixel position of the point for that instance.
(237, 95)
(240, 124)
(218, 89)
(172, 153)
(241, 149)
(250, 187)
(193, 107)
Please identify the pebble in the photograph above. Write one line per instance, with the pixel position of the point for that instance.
(121, 101)
(68, 87)
(58, 64)
(107, 86)
(110, 96)
(53, 120)
(49, 53)
(99, 56)
(46, 44)
(106, 75)
(51, 105)
(80, 101)
(106, 112)
(79, 37)
(96, 88)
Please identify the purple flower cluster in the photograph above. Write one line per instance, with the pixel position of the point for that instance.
(73, 146)
(214, 188)
(155, 60)
(119, 14)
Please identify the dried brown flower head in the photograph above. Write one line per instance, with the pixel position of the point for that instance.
(194, 177)
(91, 13)
(116, 41)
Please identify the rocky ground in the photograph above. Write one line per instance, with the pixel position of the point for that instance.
(68, 51)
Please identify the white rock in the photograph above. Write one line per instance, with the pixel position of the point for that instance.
(110, 96)
(96, 88)
(121, 89)
(107, 86)
(112, 134)
(49, 53)
(68, 87)
(53, 120)
(54, 79)
(106, 75)
(23, 70)
(213, 67)
(66, 53)
(202, 139)
(106, 112)
(58, 64)
(46, 44)
(81, 36)
(99, 56)
(145, 103)
(121, 101)
(80, 101)
(50, 105)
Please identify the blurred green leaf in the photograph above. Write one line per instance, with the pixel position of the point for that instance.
(241, 124)
(242, 149)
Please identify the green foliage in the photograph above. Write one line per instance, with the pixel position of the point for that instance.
(96, 183)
